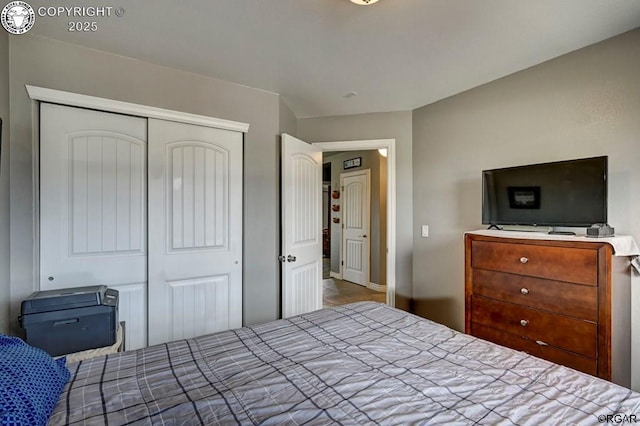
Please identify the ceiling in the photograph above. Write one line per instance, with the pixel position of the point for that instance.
(396, 54)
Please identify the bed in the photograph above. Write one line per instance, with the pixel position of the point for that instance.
(362, 363)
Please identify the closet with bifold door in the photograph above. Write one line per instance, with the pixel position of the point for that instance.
(150, 207)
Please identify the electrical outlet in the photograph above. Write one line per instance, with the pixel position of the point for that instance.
(425, 231)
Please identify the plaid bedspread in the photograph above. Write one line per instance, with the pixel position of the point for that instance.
(363, 363)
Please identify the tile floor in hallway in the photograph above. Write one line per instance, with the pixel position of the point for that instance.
(337, 292)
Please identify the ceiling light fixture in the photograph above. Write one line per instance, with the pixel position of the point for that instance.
(364, 2)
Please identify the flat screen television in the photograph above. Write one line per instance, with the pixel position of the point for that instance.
(563, 193)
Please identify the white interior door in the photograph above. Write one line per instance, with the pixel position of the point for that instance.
(93, 206)
(195, 230)
(356, 204)
(301, 257)
(92, 198)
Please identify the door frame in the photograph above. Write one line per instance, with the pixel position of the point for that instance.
(43, 94)
(390, 146)
(343, 257)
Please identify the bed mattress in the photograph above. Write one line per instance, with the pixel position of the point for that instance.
(363, 363)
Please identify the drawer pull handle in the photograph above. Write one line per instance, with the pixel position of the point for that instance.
(524, 290)
(541, 343)
(524, 323)
(523, 259)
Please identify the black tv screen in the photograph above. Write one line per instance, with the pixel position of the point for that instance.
(563, 193)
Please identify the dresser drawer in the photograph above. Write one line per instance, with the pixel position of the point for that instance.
(550, 353)
(573, 300)
(567, 333)
(575, 265)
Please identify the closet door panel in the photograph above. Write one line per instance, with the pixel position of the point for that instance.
(92, 198)
(195, 222)
(132, 311)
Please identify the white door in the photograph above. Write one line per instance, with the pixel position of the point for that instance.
(195, 230)
(301, 258)
(93, 206)
(356, 201)
(92, 198)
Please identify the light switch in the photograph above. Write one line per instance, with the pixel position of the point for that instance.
(425, 231)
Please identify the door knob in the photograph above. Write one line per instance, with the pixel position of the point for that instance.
(291, 258)
(364, 236)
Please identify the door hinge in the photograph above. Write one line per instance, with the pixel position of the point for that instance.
(342, 262)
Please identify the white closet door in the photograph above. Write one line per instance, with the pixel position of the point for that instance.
(195, 230)
(93, 205)
(92, 198)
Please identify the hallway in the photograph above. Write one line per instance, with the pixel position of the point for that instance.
(338, 292)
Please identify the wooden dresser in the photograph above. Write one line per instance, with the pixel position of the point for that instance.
(564, 301)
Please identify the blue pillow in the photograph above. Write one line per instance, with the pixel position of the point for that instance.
(30, 383)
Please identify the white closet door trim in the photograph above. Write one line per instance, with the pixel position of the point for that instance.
(84, 101)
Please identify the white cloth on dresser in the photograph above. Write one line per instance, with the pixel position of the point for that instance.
(623, 245)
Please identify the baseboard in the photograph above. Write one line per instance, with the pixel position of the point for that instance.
(336, 275)
(377, 287)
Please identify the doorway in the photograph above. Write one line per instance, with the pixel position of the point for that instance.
(355, 268)
(379, 285)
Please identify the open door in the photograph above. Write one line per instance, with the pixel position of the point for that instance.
(301, 257)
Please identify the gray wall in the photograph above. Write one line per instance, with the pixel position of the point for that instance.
(586, 103)
(48, 63)
(391, 125)
(4, 183)
(370, 160)
(288, 121)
